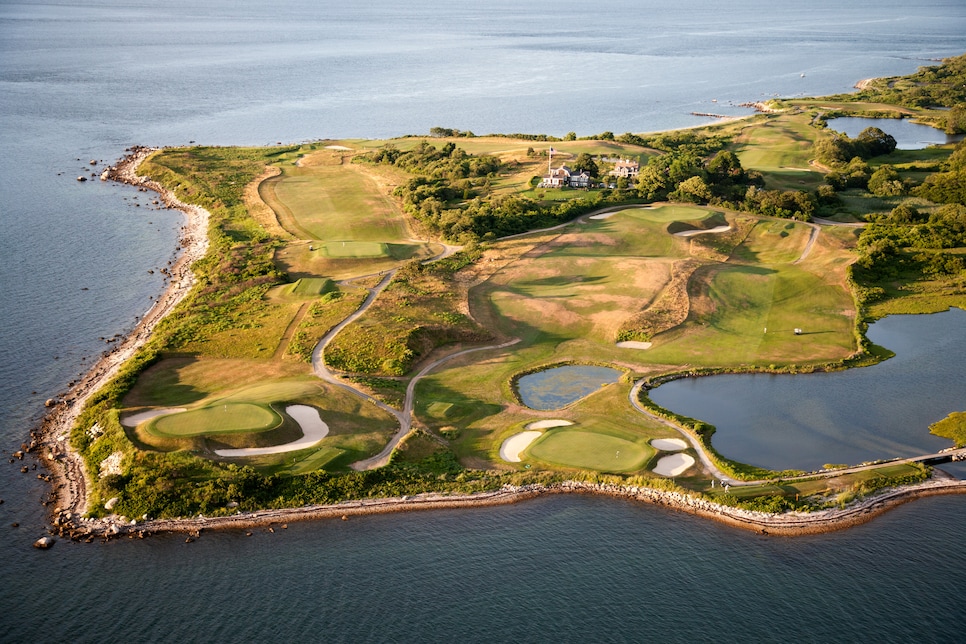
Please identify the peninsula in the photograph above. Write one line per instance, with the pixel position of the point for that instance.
(362, 326)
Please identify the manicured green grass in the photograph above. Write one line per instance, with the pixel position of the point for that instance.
(354, 249)
(310, 286)
(774, 242)
(589, 451)
(780, 148)
(313, 461)
(333, 202)
(228, 418)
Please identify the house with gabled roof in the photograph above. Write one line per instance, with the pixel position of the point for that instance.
(564, 176)
(626, 168)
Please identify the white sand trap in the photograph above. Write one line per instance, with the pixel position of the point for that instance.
(674, 464)
(634, 344)
(692, 233)
(513, 447)
(313, 430)
(336, 147)
(603, 215)
(136, 419)
(669, 444)
(547, 424)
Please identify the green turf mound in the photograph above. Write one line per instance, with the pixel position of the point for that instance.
(354, 249)
(218, 419)
(589, 451)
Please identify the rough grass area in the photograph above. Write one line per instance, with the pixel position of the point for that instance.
(419, 311)
(321, 316)
(952, 427)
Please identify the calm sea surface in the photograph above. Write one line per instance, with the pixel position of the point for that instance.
(82, 81)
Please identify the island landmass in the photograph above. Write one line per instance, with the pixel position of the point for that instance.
(350, 326)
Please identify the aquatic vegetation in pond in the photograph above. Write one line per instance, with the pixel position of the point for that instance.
(558, 387)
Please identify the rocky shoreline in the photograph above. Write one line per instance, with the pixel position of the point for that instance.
(51, 440)
(787, 524)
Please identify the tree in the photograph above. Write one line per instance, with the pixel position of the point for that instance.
(956, 119)
(885, 182)
(873, 142)
(726, 165)
(570, 136)
(693, 190)
(586, 162)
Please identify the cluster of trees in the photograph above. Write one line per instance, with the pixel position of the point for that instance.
(451, 194)
(839, 149)
(949, 185)
(448, 162)
(683, 175)
(909, 240)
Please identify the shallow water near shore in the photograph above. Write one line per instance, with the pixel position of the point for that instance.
(83, 82)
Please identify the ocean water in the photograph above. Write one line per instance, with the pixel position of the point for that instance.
(83, 81)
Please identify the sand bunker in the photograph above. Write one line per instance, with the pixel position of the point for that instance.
(313, 430)
(603, 215)
(674, 464)
(337, 147)
(136, 419)
(547, 424)
(634, 344)
(513, 447)
(669, 444)
(692, 233)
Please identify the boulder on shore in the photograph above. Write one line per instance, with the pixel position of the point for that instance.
(44, 543)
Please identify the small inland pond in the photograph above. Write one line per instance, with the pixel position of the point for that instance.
(559, 386)
(805, 421)
(908, 135)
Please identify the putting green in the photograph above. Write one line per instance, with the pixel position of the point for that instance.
(589, 451)
(355, 249)
(218, 419)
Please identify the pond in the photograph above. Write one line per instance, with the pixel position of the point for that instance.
(908, 135)
(558, 387)
(805, 421)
